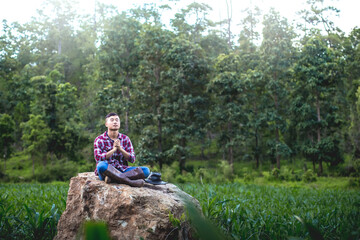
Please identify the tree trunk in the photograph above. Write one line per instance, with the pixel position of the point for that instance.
(202, 149)
(208, 135)
(314, 165)
(231, 156)
(126, 121)
(59, 47)
(45, 160)
(311, 137)
(5, 156)
(158, 112)
(95, 16)
(127, 96)
(277, 154)
(257, 155)
(33, 165)
(277, 133)
(229, 15)
(319, 130)
(159, 138)
(183, 156)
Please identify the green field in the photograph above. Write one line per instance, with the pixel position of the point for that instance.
(247, 211)
(242, 211)
(31, 211)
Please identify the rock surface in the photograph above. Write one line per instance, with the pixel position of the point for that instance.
(130, 213)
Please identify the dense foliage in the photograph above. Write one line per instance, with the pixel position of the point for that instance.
(290, 92)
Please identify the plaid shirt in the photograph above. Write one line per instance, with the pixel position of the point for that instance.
(104, 143)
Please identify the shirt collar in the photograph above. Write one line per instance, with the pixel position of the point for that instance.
(107, 136)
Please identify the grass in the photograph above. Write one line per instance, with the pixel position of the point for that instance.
(248, 211)
(259, 209)
(321, 183)
(31, 211)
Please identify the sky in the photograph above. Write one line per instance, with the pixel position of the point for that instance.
(23, 10)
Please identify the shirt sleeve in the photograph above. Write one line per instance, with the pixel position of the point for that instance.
(130, 149)
(99, 151)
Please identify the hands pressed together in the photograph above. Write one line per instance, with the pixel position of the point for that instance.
(117, 145)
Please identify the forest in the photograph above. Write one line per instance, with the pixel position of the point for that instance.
(259, 119)
(191, 90)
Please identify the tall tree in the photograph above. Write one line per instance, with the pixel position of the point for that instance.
(192, 21)
(119, 60)
(35, 138)
(318, 73)
(255, 84)
(351, 53)
(9, 67)
(58, 109)
(69, 136)
(151, 86)
(248, 34)
(53, 41)
(318, 17)
(227, 115)
(186, 105)
(277, 54)
(7, 129)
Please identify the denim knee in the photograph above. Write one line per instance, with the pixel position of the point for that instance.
(102, 166)
(146, 171)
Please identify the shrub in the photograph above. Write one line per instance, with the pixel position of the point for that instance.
(225, 169)
(298, 175)
(354, 182)
(87, 167)
(204, 175)
(95, 230)
(289, 174)
(3, 176)
(309, 176)
(266, 175)
(189, 168)
(184, 178)
(356, 165)
(61, 171)
(286, 174)
(169, 173)
(248, 177)
(275, 173)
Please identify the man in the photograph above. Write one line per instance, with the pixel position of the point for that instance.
(113, 151)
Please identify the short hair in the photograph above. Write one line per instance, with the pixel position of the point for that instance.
(111, 114)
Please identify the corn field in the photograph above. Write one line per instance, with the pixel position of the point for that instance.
(241, 211)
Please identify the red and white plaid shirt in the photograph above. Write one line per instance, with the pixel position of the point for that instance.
(104, 144)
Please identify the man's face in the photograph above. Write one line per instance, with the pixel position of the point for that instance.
(112, 123)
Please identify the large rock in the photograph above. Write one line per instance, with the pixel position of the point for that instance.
(130, 213)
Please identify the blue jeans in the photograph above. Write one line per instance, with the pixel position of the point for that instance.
(102, 166)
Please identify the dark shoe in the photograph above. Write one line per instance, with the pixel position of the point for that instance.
(137, 173)
(155, 179)
(117, 176)
(107, 179)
